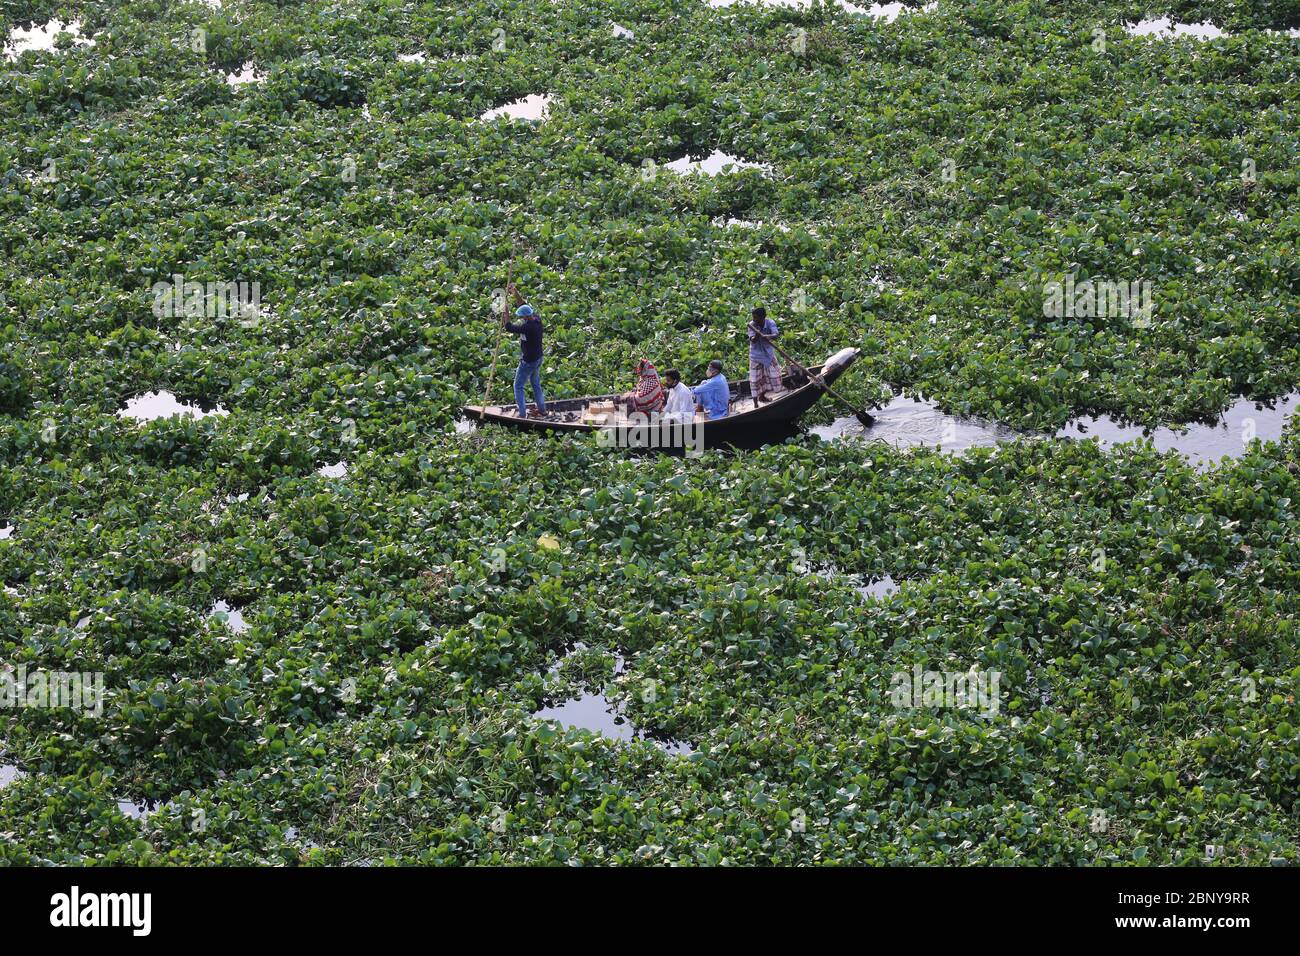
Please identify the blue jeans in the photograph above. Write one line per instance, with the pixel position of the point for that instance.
(529, 372)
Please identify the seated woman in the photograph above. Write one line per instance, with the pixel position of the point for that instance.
(649, 394)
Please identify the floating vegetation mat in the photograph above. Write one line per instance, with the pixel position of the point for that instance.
(266, 598)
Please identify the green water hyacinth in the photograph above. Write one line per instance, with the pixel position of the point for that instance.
(916, 185)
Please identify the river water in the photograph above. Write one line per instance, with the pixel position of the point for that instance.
(908, 422)
(597, 713)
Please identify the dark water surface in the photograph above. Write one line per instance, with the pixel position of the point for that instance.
(42, 37)
(908, 422)
(880, 588)
(164, 404)
(1201, 444)
(596, 713)
(232, 617)
(531, 107)
(9, 773)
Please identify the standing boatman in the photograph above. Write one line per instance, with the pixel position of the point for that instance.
(764, 370)
(530, 354)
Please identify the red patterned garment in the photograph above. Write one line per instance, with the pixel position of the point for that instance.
(649, 394)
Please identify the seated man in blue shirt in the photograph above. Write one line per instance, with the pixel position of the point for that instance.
(713, 394)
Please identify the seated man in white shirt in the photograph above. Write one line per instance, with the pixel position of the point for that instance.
(680, 405)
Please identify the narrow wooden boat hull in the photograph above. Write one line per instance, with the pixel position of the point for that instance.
(771, 421)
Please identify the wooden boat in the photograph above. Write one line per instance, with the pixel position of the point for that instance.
(745, 424)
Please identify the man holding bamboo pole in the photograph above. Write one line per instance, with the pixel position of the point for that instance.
(764, 371)
(530, 356)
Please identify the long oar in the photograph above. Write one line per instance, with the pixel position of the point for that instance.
(501, 332)
(865, 418)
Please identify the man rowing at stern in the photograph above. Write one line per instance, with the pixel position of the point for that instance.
(764, 371)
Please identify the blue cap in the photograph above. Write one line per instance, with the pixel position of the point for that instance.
(524, 311)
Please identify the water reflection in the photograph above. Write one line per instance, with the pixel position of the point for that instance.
(623, 32)
(591, 712)
(43, 37)
(532, 107)
(881, 11)
(1201, 444)
(232, 617)
(164, 404)
(596, 713)
(9, 773)
(751, 224)
(910, 423)
(881, 588)
(245, 75)
(1164, 27)
(7, 530)
(716, 162)
(137, 809)
(337, 470)
(889, 12)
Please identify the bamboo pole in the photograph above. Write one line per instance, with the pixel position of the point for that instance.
(505, 314)
(864, 417)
